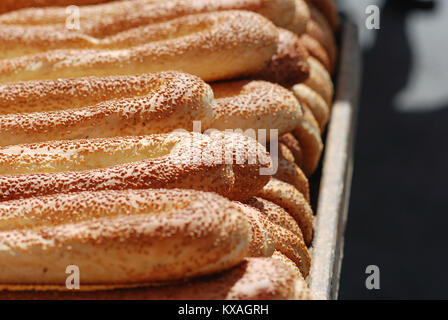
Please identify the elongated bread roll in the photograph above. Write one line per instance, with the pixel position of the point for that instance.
(102, 107)
(320, 80)
(316, 50)
(285, 153)
(213, 46)
(301, 19)
(329, 10)
(289, 65)
(310, 98)
(288, 171)
(111, 18)
(228, 164)
(254, 105)
(293, 145)
(56, 15)
(10, 5)
(254, 279)
(262, 243)
(309, 117)
(275, 214)
(319, 28)
(305, 292)
(24, 40)
(63, 94)
(308, 133)
(283, 240)
(287, 197)
(120, 237)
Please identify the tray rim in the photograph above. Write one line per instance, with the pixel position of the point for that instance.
(337, 170)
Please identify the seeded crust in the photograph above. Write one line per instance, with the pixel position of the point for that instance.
(308, 133)
(302, 285)
(19, 40)
(102, 107)
(329, 10)
(275, 214)
(301, 19)
(107, 19)
(253, 105)
(120, 237)
(287, 197)
(250, 162)
(316, 50)
(262, 242)
(254, 279)
(10, 5)
(306, 157)
(294, 146)
(289, 65)
(228, 165)
(319, 29)
(288, 171)
(317, 105)
(320, 80)
(309, 108)
(169, 87)
(309, 117)
(282, 239)
(285, 153)
(213, 46)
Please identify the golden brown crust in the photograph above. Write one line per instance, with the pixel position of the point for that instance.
(316, 50)
(309, 117)
(312, 100)
(308, 134)
(262, 242)
(303, 286)
(282, 239)
(275, 214)
(10, 5)
(327, 59)
(285, 153)
(277, 255)
(120, 237)
(102, 107)
(319, 29)
(54, 15)
(293, 145)
(287, 197)
(254, 105)
(24, 40)
(228, 165)
(107, 19)
(288, 171)
(329, 10)
(289, 64)
(213, 46)
(254, 279)
(249, 159)
(320, 80)
(301, 19)
(291, 246)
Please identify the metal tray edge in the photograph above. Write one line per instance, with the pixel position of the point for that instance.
(334, 193)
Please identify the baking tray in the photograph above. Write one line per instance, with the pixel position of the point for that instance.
(336, 172)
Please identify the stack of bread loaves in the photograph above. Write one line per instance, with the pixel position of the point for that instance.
(134, 147)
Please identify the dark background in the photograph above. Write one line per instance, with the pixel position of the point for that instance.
(398, 216)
